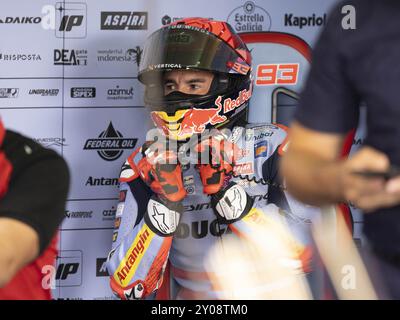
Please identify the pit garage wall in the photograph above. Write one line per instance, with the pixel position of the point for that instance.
(88, 71)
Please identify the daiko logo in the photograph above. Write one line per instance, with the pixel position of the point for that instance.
(279, 73)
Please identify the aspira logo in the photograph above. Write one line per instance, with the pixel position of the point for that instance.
(122, 20)
(110, 144)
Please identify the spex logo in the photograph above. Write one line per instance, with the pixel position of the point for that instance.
(83, 92)
(70, 20)
(101, 267)
(110, 144)
(123, 20)
(69, 268)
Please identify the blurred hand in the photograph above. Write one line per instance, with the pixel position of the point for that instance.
(369, 193)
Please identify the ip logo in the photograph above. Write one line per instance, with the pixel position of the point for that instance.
(71, 20)
(69, 268)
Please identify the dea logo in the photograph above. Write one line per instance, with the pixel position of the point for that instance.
(249, 18)
(110, 144)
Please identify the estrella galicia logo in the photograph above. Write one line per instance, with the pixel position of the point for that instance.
(110, 144)
(123, 20)
(71, 20)
(249, 18)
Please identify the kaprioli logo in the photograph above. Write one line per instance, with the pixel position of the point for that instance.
(249, 18)
(20, 20)
(110, 143)
(73, 57)
(123, 20)
(305, 21)
(9, 92)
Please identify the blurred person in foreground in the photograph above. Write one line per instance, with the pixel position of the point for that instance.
(197, 77)
(34, 183)
(349, 67)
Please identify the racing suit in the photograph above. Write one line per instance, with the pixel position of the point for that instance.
(139, 255)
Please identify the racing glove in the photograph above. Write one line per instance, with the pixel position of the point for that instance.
(217, 157)
(160, 170)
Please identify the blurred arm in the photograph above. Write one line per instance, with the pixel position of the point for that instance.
(311, 167)
(19, 245)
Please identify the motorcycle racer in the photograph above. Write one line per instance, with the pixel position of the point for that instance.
(197, 77)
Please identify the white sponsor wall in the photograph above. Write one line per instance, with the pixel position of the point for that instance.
(68, 78)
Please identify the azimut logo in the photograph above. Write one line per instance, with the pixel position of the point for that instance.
(249, 18)
(110, 143)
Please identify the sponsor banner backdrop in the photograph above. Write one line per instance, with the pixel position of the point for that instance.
(68, 78)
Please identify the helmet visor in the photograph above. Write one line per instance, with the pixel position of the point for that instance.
(187, 47)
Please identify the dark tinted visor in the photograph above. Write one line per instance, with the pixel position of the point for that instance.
(186, 47)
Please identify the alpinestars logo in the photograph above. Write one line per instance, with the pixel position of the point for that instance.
(122, 20)
(110, 144)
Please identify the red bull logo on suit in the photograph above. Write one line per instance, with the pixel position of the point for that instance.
(184, 123)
